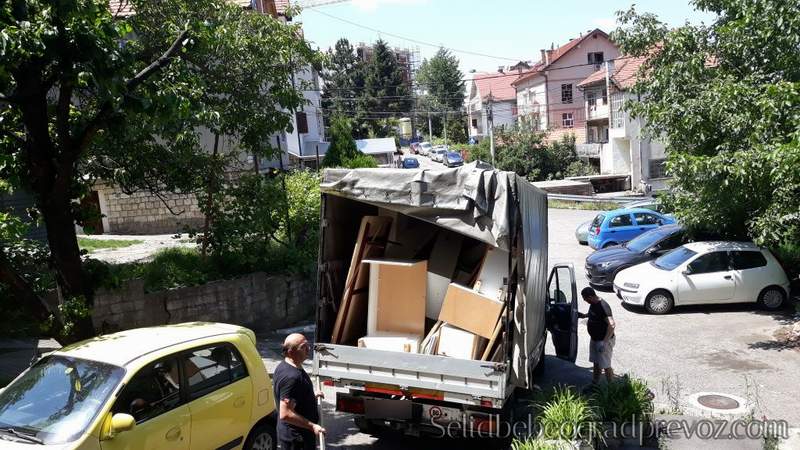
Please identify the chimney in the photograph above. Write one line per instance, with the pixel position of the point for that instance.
(546, 56)
(501, 69)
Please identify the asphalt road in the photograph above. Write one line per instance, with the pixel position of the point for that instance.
(727, 349)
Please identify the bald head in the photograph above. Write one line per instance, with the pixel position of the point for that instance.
(295, 347)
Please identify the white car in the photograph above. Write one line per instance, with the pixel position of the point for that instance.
(425, 148)
(438, 152)
(705, 272)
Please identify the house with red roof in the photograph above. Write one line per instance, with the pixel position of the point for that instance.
(614, 140)
(492, 93)
(547, 94)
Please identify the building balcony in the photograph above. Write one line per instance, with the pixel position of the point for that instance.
(597, 111)
(592, 150)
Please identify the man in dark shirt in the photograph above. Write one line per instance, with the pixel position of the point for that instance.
(601, 327)
(294, 397)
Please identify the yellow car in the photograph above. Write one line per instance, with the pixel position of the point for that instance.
(187, 386)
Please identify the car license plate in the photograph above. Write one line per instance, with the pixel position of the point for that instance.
(387, 409)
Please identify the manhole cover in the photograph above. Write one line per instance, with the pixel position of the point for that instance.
(716, 401)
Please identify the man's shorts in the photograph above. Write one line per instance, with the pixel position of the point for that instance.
(601, 359)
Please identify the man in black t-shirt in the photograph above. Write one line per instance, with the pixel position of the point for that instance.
(601, 327)
(294, 397)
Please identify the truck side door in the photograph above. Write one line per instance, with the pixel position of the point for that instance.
(562, 311)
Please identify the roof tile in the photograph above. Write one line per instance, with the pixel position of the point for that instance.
(555, 55)
(498, 84)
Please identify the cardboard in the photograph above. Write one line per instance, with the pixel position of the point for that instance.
(351, 319)
(441, 268)
(495, 268)
(396, 296)
(456, 343)
(393, 342)
(470, 310)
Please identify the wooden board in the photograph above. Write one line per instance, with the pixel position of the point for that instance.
(494, 337)
(351, 319)
(470, 310)
(396, 296)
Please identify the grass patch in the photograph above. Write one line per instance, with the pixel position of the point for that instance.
(589, 206)
(91, 245)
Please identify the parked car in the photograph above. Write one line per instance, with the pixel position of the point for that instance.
(582, 232)
(410, 163)
(185, 386)
(705, 272)
(414, 148)
(621, 225)
(604, 264)
(652, 204)
(453, 159)
(437, 154)
(425, 148)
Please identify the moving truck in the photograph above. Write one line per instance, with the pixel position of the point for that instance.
(487, 212)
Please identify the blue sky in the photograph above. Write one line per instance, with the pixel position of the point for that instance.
(514, 29)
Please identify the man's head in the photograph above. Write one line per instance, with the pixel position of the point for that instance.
(296, 347)
(589, 295)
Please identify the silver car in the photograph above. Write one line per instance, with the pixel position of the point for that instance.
(582, 233)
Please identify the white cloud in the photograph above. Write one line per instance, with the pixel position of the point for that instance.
(605, 23)
(372, 5)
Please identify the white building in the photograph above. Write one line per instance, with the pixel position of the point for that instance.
(491, 91)
(547, 94)
(615, 141)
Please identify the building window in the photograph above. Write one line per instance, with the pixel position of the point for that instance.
(605, 96)
(567, 121)
(302, 122)
(658, 168)
(474, 123)
(566, 93)
(617, 116)
(595, 58)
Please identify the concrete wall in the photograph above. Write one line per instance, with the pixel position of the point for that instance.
(144, 213)
(258, 301)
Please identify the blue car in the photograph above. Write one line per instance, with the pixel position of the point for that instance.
(410, 163)
(621, 225)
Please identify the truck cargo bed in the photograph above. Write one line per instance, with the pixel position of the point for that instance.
(461, 380)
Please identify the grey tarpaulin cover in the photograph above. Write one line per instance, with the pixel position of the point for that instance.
(477, 201)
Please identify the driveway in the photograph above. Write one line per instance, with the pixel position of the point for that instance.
(723, 348)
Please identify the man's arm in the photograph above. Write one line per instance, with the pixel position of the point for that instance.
(611, 326)
(288, 415)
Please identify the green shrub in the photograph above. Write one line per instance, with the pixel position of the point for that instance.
(360, 161)
(177, 267)
(624, 400)
(567, 416)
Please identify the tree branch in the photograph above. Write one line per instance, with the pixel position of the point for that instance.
(62, 112)
(8, 98)
(85, 137)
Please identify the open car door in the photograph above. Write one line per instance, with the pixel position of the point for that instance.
(562, 311)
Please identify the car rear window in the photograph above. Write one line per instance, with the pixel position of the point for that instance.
(743, 260)
(598, 220)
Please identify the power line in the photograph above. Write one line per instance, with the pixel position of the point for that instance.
(416, 41)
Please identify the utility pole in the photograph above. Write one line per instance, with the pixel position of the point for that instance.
(445, 128)
(430, 128)
(490, 122)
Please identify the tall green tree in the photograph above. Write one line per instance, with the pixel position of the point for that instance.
(87, 96)
(725, 98)
(343, 74)
(386, 92)
(444, 86)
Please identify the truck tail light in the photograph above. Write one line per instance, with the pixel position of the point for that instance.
(350, 404)
(327, 383)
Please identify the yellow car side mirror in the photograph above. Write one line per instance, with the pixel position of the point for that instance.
(118, 423)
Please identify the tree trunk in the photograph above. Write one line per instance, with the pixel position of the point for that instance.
(66, 258)
(211, 188)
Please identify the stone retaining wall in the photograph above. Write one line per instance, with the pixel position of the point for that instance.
(144, 213)
(258, 301)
